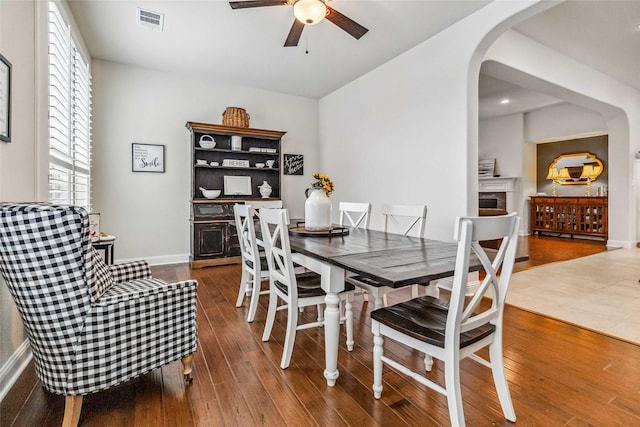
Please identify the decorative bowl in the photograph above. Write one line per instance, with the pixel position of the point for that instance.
(259, 165)
(201, 162)
(210, 194)
(207, 141)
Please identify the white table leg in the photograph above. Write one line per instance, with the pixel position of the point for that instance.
(332, 281)
(331, 336)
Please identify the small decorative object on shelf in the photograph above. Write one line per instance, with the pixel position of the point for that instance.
(265, 189)
(236, 163)
(236, 143)
(235, 116)
(317, 208)
(207, 141)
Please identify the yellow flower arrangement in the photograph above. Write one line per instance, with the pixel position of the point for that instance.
(323, 181)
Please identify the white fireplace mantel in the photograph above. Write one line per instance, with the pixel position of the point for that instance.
(505, 185)
(497, 184)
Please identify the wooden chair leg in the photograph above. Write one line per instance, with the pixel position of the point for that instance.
(186, 371)
(72, 408)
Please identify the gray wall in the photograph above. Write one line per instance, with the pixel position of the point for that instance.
(597, 145)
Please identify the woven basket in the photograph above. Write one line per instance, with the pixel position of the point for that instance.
(234, 116)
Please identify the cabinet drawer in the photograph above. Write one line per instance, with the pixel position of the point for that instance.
(594, 201)
(212, 211)
(546, 200)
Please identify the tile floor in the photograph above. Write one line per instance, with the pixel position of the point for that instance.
(599, 292)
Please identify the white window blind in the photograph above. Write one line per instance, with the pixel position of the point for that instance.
(69, 116)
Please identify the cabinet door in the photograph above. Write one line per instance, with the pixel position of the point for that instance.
(543, 214)
(591, 218)
(232, 245)
(209, 240)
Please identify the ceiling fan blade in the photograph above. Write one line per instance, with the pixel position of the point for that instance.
(256, 3)
(294, 34)
(347, 24)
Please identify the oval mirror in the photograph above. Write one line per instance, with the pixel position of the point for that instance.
(576, 168)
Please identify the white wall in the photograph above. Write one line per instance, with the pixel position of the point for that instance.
(149, 212)
(407, 131)
(502, 138)
(19, 177)
(562, 121)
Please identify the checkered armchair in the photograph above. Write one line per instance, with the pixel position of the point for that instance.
(90, 326)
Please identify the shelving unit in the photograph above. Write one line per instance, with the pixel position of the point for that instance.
(213, 238)
(586, 216)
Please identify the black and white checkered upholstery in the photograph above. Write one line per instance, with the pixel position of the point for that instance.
(90, 326)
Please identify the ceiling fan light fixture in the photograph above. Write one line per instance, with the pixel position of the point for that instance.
(309, 12)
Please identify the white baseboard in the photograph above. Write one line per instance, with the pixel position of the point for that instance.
(11, 370)
(160, 260)
(620, 244)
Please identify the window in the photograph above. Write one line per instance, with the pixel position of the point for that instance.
(69, 115)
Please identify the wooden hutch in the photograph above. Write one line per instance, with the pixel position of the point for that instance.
(213, 233)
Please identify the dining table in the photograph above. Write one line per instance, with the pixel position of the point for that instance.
(389, 259)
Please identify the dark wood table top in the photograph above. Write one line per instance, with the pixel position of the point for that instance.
(390, 259)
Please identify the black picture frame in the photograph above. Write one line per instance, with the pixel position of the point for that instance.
(147, 158)
(5, 99)
(293, 164)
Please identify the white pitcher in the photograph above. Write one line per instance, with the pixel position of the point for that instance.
(317, 210)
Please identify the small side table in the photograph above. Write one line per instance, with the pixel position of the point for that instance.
(106, 245)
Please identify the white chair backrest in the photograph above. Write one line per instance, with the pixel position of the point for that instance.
(357, 214)
(269, 204)
(245, 216)
(464, 315)
(275, 236)
(405, 218)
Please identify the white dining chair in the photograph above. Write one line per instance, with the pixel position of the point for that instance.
(399, 219)
(354, 215)
(294, 290)
(451, 331)
(254, 266)
(269, 204)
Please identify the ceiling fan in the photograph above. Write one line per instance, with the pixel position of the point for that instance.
(307, 12)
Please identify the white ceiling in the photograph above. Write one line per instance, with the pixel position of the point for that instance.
(207, 39)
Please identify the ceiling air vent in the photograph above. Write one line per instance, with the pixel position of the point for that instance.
(151, 19)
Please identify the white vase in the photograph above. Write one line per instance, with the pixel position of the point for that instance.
(317, 210)
(236, 143)
(265, 189)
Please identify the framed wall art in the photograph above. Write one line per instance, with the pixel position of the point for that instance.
(5, 99)
(293, 164)
(147, 158)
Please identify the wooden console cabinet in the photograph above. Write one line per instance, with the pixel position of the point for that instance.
(587, 216)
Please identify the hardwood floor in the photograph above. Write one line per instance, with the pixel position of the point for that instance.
(559, 374)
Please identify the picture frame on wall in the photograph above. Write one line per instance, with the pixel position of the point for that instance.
(293, 164)
(147, 158)
(5, 99)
